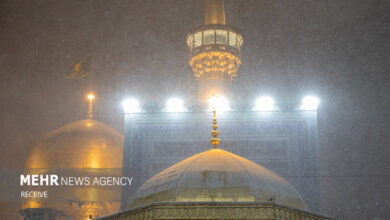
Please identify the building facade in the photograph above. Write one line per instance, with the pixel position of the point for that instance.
(284, 142)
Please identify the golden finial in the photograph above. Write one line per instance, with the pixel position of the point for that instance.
(215, 140)
(214, 133)
(90, 97)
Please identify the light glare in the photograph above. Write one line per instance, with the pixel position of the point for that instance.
(264, 103)
(131, 106)
(220, 104)
(310, 103)
(91, 96)
(175, 105)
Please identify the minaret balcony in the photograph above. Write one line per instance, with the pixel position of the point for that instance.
(215, 37)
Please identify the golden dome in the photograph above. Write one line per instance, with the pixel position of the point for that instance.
(85, 148)
(216, 176)
(81, 144)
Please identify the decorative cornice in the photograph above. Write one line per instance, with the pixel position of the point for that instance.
(216, 210)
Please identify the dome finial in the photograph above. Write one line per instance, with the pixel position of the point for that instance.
(214, 133)
(90, 97)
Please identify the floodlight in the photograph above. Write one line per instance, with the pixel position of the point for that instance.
(310, 103)
(131, 105)
(91, 96)
(264, 103)
(175, 105)
(219, 104)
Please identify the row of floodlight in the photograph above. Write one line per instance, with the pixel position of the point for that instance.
(221, 104)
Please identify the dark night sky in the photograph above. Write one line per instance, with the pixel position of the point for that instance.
(338, 50)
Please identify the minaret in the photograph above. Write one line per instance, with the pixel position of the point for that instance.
(214, 52)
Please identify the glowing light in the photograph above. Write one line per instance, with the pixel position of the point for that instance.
(131, 106)
(220, 104)
(175, 105)
(264, 103)
(93, 157)
(310, 103)
(91, 96)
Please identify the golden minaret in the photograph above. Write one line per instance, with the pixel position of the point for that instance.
(214, 52)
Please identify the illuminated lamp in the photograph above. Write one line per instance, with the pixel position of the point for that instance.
(310, 103)
(175, 105)
(220, 104)
(131, 105)
(264, 103)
